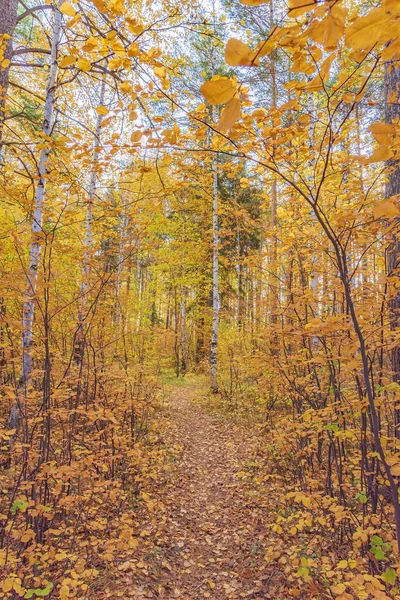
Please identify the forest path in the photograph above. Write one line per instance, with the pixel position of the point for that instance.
(212, 538)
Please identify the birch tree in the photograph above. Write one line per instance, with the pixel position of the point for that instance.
(28, 311)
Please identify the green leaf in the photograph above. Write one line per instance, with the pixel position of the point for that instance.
(332, 427)
(18, 504)
(376, 540)
(39, 592)
(389, 576)
(303, 572)
(362, 497)
(378, 553)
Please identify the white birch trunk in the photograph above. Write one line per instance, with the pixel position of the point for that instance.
(215, 281)
(28, 311)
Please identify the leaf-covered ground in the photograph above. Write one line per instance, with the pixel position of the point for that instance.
(202, 535)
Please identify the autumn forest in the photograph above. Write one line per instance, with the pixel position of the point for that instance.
(200, 299)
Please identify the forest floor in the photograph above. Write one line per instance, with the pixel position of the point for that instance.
(205, 535)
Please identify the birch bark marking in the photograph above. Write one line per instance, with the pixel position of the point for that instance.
(28, 311)
(87, 256)
(215, 282)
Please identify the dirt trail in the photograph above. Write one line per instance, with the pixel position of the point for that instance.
(211, 543)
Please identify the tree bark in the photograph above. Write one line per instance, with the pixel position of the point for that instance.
(215, 280)
(8, 20)
(183, 333)
(392, 112)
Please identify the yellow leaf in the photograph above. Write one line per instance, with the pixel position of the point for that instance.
(84, 65)
(90, 44)
(125, 87)
(338, 589)
(64, 592)
(133, 49)
(101, 6)
(298, 7)
(7, 584)
(330, 30)
(102, 110)
(263, 49)
(133, 543)
(382, 132)
(114, 63)
(75, 19)
(366, 31)
(396, 468)
(160, 72)
(218, 90)
(391, 6)
(230, 114)
(237, 54)
(381, 153)
(136, 135)
(67, 9)
(28, 535)
(254, 2)
(67, 61)
(386, 209)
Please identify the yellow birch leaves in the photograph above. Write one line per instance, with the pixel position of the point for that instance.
(67, 9)
(237, 54)
(254, 2)
(218, 90)
(330, 30)
(222, 90)
(376, 26)
(230, 114)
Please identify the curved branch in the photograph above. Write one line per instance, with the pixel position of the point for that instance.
(28, 12)
(20, 51)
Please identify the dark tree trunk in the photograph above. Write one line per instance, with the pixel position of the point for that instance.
(8, 19)
(392, 112)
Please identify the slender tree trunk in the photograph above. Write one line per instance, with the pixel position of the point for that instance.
(239, 299)
(215, 280)
(392, 112)
(36, 244)
(183, 333)
(8, 19)
(121, 254)
(274, 288)
(86, 265)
